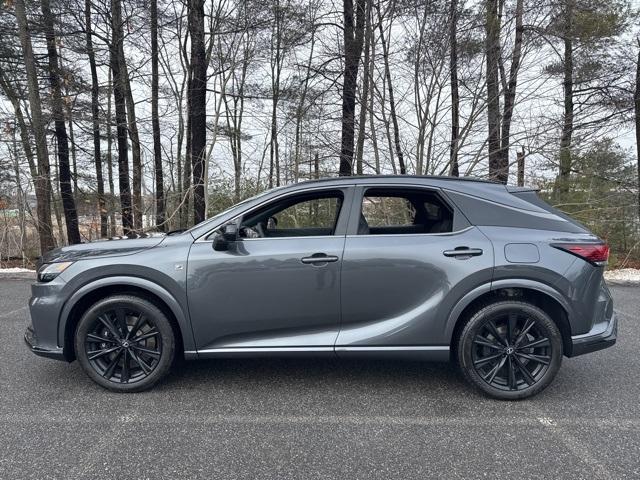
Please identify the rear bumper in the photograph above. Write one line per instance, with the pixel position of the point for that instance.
(32, 342)
(601, 336)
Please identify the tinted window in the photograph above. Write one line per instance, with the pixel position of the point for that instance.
(400, 211)
(384, 211)
(299, 216)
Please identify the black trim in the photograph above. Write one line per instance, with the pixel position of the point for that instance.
(31, 341)
(593, 343)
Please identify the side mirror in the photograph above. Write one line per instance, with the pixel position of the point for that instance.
(227, 236)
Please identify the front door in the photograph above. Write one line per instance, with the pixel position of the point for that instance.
(279, 285)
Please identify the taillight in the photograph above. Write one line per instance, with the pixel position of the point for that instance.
(596, 253)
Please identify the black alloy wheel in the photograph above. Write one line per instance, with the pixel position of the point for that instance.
(125, 343)
(510, 349)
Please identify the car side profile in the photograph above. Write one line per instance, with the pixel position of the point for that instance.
(423, 268)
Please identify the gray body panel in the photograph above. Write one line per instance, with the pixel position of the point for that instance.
(399, 289)
(262, 295)
(384, 295)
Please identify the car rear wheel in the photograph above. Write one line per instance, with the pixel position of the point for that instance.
(125, 343)
(510, 350)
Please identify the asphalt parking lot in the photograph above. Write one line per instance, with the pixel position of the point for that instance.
(310, 419)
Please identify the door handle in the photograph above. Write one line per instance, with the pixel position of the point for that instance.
(463, 252)
(319, 258)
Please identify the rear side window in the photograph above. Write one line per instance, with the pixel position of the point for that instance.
(403, 211)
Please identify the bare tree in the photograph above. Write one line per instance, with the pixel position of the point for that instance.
(68, 202)
(567, 118)
(366, 81)
(353, 40)
(197, 94)
(95, 117)
(42, 181)
(155, 121)
(510, 91)
(136, 153)
(392, 103)
(277, 59)
(454, 169)
(497, 169)
(636, 103)
(119, 89)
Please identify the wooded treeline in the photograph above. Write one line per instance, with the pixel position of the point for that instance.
(125, 116)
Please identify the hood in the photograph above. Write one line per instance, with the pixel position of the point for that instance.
(102, 248)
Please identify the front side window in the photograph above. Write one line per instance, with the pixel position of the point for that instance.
(298, 216)
(403, 211)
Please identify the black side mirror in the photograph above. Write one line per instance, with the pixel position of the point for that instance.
(226, 237)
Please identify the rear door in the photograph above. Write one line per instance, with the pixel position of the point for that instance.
(409, 256)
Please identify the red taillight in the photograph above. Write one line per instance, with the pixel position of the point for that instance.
(596, 253)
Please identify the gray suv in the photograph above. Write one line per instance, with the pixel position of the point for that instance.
(428, 268)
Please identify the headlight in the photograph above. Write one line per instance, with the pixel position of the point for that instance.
(49, 271)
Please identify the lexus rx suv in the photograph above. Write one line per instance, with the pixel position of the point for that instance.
(425, 268)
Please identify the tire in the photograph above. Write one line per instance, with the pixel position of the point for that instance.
(510, 350)
(125, 343)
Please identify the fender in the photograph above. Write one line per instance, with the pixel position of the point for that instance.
(183, 321)
(481, 290)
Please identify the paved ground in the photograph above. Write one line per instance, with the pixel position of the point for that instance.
(316, 419)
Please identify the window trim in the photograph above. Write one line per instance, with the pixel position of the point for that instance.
(359, 194)
(348, 192)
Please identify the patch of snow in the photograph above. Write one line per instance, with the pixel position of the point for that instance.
(623, 276)
(16, 270)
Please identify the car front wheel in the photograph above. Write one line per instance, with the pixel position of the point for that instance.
(125, 343)
(510, 350)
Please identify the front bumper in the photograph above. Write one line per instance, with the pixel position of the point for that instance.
(602, 335)
(32, 342)
(42, 319)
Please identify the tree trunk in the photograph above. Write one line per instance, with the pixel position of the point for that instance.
(121, 117)
(112, 213)
(276, 68)
(520, 155)
(301, 109)
(197, 105)
(185, 208)
(497, 170)
(95, 119)
(362, 121)
(54, 201)
(510, 92)
(66, 191)
(72, 149)
(42, 185)
(454, 169)
(136, 154)
(636, 98)
(392, 103)
(353, 41)
(21, 199)
(567, 124)
(155, 121)
(372, 126)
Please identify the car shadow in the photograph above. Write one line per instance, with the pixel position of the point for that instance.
(314, 372)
